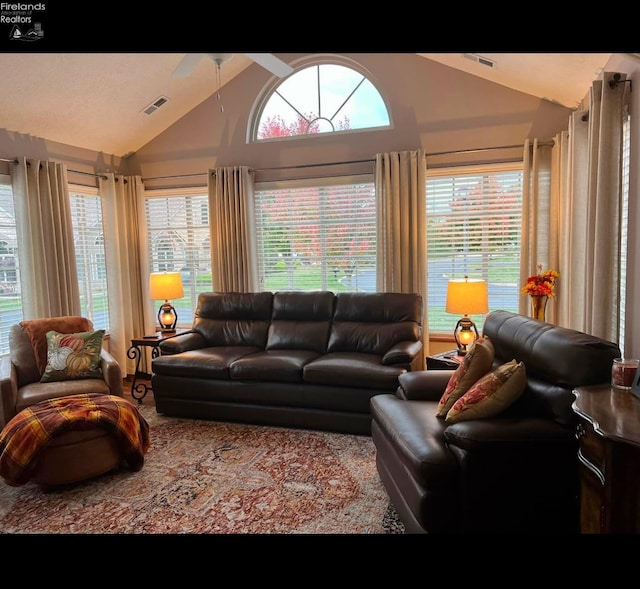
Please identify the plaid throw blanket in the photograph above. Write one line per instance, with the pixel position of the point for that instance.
(28, 433)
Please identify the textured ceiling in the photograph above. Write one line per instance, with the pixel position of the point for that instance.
(96, 100)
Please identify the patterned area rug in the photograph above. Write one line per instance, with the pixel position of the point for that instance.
(206, 477)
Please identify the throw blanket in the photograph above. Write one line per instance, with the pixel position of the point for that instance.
(28, 433)
(37, 331)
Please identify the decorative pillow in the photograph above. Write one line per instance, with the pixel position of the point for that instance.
(476, 363)
(494, 392)
(73, 355)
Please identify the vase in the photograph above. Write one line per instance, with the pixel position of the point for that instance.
(539, 306)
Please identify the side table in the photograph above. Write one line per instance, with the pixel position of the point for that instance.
(608, 434)
(444, 361)
(139, 390)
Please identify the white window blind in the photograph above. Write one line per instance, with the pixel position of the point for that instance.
(624, 227)
(317, 235)
(88, 237)
(473, 229)
(178, 237)
(10, 301)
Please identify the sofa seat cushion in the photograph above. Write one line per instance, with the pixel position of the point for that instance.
(418, 438)
(33, 393)
(203, 363)
(272, 365)
(352, 369)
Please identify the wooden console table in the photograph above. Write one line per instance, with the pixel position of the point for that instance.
(609, 456)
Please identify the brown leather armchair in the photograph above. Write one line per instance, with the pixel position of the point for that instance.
(516, 472)
(74, 455)
(20, 384)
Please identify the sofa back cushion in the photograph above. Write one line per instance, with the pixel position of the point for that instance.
(557, 360)
(301, 321)
(372, 323)
(234, 319)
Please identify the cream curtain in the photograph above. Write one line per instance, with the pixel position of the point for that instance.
(48, 273)
(232, 225)
(540, 219)
(130, 309)
(400, 183)
(572, 223)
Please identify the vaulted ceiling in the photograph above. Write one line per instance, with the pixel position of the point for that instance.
(97, 100)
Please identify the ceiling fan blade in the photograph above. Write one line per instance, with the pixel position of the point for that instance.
(187, 65)
(272, 63)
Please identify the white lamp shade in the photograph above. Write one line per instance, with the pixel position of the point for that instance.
(467, 296)
(165, 286)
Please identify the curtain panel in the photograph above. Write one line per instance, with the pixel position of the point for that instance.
(572, 210)
(540, 215)
(232, 225)
(130, 309)
(400, 184)
(48, 272)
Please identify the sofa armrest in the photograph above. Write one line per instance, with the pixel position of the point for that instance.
(183, 343)
(402, 353)
(423, 385)
(8, 390)
(112, 373)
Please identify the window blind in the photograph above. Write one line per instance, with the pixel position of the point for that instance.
(178, 238)
(473, 229)
(624, 227)
(88, 238)
(10, 302)
(317, 235)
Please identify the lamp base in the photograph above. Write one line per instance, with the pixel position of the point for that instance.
(465, 334)
(167, 317)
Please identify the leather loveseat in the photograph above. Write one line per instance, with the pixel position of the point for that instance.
(515, 472)
(297, 359)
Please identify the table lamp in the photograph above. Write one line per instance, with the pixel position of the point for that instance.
(166, 285)
(466, 297)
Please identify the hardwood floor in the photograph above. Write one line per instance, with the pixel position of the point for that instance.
(126, 385)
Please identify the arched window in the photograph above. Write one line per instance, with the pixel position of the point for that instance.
(320, 98)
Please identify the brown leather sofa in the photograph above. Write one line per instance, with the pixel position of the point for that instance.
(516, 472)
(297, 359)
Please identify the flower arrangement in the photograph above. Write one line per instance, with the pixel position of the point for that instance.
(541, 284)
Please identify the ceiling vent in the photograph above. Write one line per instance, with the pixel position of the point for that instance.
(155, 105)
(478, 58)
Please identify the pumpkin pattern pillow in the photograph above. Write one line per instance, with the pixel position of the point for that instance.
(73, 355)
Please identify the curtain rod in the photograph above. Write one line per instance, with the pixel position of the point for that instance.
(455, 152)
(14, 161)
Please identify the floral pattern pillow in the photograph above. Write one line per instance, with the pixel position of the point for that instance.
(476, 363)
(493, 393)
(73, 355)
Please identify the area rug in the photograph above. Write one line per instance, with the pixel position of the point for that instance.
(207, 477)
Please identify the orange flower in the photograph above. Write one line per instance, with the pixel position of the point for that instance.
(542, 283)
